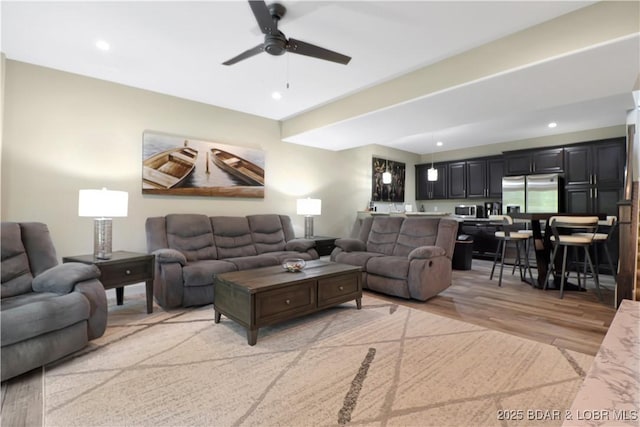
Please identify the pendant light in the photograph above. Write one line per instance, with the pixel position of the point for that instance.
(386, 175)
(432, 173)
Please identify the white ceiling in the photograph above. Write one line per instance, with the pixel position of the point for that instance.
(177, 48)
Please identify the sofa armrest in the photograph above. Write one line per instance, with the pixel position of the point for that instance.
(300, 245)
(426, 252)
(166, 255)
(62, 278)
(94, 292)
(350, 244)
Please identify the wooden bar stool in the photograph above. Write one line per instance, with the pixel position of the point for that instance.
(572, 225)
(509, 233)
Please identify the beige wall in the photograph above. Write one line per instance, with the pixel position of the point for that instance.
(64, 132)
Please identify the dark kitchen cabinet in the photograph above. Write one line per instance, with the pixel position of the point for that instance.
(547, 161)
(431, 190)
(495, 172)
(485, 243)
(484, 178)
(476, 175)
(550, 160)
(457, 180)
(594, 176)
(517, 163)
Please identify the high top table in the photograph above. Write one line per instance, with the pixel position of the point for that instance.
(543, 247)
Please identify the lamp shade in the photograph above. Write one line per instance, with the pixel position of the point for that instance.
(432, 174)
(102, 203)
(309, 206)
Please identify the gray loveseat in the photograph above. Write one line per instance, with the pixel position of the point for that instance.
(48, 310)
(191, 248)
(406, 257)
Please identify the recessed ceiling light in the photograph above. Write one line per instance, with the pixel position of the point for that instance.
(276, 95)
(102, 45)
(439, 143)
(552, 125)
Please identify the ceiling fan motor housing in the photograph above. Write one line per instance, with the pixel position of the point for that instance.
(275, 44)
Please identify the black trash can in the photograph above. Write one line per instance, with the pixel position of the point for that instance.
(462, 253)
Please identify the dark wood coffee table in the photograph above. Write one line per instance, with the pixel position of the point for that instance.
(265, 296)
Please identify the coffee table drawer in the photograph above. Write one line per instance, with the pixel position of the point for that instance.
(278, 304)
(342, 288)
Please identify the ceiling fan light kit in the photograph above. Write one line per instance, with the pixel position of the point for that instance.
(276, 43)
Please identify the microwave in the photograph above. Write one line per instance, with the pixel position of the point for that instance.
(466, 211)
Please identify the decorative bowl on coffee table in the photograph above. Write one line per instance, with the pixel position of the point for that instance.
(293, 265)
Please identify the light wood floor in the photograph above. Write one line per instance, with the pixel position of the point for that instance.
(577, 322)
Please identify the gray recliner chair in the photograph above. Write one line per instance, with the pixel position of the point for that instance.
(47, 310)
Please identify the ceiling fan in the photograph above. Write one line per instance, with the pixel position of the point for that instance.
(276, 43)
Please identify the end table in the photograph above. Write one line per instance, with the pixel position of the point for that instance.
(324, 244)
(123, 268)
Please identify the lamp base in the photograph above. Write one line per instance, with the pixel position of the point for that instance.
(308, 227)
(102, 238)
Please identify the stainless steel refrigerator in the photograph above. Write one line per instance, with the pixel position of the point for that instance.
(543, 193)
(532, 193)
(513, 194)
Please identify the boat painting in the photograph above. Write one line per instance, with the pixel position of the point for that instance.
(191, 171)
(170, 168)
(244, 170)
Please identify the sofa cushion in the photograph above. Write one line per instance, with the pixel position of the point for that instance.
(356, 258)
(39, 245)
(268, 233)
(14, 267)
(300, 245)
(282, 255)
(384, 234)
(396, 267)
(192, 235)
(200, 273)
(232, 237)
(257, 261)
(415, 232)
(33, 314)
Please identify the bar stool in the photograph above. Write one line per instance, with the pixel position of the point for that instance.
(603, 239)
(527, 245)
(588, 227)
(509, 233)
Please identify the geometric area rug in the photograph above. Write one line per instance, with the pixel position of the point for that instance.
(384, 365)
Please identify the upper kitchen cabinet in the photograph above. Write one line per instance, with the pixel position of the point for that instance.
(495, 172)
(600, 164)
(457, 180)
(484, 177)
(550, 160)
(431, 190)
(594, 176)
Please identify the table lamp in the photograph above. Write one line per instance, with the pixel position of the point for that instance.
(309, 207)
(102, 205)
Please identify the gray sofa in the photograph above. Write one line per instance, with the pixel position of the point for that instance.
(406, 257)
(191, 248)
(48, 310)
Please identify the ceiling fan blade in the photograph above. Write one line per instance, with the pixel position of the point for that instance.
(263, 16)
(244, 55)
(308, 49)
